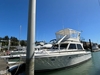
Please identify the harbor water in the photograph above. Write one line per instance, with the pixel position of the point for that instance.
(90, 67)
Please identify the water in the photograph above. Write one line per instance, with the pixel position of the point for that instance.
(91, 67)
(17, 59)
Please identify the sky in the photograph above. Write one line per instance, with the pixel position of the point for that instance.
(51, 16)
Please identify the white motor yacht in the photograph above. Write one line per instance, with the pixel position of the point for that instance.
(95, 47)
(67, 51)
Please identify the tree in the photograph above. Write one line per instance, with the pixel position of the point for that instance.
(1, 38)
(13, 39)
(23, 43)
(6, 38)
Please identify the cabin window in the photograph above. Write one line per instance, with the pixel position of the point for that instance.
(63, 46)
(79, 46)
(72, 46)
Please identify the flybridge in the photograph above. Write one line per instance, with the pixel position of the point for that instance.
(67, 35)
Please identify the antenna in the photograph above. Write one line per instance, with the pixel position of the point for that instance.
(79, 29)
(20, 34)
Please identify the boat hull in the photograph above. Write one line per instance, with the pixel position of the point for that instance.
(57, 62)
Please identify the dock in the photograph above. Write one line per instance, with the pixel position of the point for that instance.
(3, 66)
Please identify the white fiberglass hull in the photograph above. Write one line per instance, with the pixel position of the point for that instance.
(60, 61)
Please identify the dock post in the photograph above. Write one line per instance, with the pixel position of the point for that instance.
(90, 45)
(31, 38)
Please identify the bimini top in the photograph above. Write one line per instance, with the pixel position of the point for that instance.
(67, 31)
(68, 34)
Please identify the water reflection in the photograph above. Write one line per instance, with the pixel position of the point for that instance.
(91, 67)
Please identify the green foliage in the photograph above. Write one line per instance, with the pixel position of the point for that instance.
(4, 43)
(1, 38)
(13, 41)
(23, 43)
(6, 38)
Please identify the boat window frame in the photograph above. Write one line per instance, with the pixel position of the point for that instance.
(64, 44)
(79, 48)
(72, 49)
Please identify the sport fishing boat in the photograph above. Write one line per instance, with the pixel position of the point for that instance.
(66, 52)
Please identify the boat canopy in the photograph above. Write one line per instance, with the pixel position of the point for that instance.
(68, 34)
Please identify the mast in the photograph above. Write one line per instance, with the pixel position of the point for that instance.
(19, 35)
(31, 38)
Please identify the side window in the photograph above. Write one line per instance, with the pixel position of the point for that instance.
(72, 46)
(63, 46)
(79, 46)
